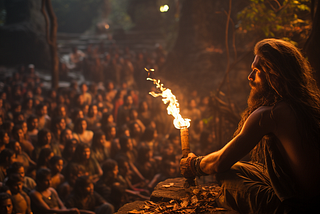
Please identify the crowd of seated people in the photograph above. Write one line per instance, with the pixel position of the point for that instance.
(90, 147)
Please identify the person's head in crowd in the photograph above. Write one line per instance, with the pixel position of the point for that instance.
(51, 105)
(27, 95)
(110, 86)
(110, 171)
(125, 143)
(4, 188)
(61, 111)
(7, 126)
(16, 167)
(143, 106)
(133, 114)
(123, 166)
(15, 183)
(3, 95)
(4, 137)
(43, 179)
(61, 100)
(52, 94)
(1, 103)
(80, 126)
(128, 101)
(145, 154)
(111, 132)
(83, 88)
(167, 152)
(124, 131)
(27, 104)
(23, 125)
(1, 120)
(16, 107)
(83, 186)
(66, 134)
(44, 137)
(6, 206)
(99, 99)
(7, 157)
(18, 117)
(85, 109)
(135, 130)
(119, 96)
(41, 110)
(76, 114)
(74, 171)
(93, 111)
(16, 92)
(107, 118)
(56, 164)
(37, 90)
(32, 123)
(17, 133)
(69, 149)
(149, 134)
(58, 124)
(98, 140)
(15, 146)
(44, 156)
(36, 102)
(82, 153)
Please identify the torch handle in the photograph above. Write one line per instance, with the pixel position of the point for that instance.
(185, 147)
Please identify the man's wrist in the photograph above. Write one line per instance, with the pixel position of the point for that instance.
(196, 166)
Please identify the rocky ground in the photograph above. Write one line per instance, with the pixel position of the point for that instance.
(171, 197)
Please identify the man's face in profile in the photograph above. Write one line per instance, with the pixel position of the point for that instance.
(257, 82)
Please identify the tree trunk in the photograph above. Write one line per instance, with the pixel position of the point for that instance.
(312, 46)
(51, 32)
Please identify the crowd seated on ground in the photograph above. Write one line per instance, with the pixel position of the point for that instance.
(90, 147)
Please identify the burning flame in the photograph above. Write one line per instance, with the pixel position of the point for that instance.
(173, 107)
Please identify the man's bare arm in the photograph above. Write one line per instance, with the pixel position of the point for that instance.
(258, 124)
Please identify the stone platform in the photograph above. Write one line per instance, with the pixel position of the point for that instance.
(171, 197)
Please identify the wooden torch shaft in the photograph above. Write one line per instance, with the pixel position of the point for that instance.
(185, 147)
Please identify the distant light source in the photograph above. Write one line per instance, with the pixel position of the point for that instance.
(164, 8)
(106, 26)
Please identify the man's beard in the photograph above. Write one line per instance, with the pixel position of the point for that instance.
(259, 95)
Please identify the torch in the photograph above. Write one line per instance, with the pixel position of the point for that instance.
(179, 122)
(185, 147)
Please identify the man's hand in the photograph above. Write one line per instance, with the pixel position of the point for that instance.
(185, 166)
(190, 166)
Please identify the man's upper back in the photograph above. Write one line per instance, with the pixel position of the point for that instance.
(301, 156)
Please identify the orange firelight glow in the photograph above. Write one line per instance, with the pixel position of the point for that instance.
(173, 107)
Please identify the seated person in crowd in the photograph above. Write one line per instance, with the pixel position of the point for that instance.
(45, 199)
(84, 197)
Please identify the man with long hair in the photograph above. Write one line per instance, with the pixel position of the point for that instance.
(281, 129)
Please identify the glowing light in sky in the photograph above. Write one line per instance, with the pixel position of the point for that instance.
(164, 8)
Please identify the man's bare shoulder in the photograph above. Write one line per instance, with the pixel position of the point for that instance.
(280, 110)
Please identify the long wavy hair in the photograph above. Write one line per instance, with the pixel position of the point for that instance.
(290, 78)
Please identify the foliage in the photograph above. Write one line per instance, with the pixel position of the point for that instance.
(277, 18)
(119, 15)
(76, 16)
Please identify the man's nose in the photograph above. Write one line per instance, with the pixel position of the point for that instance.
(251, 76)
